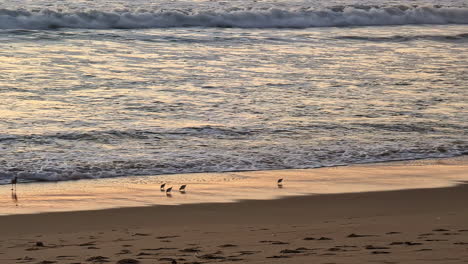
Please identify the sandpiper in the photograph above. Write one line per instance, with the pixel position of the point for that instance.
(168, 192)
(13, 182)
(280, 182)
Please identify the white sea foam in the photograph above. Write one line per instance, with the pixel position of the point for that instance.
(271, 18)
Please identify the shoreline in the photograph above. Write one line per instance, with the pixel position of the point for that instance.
(231, 186)
(396, 161)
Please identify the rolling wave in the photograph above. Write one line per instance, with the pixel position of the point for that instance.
(402, 38)
(248, 18)
(166, 153)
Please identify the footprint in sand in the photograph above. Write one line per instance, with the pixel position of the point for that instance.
(407, 243)
(171, 259)
(247, 252)
(227, 246)
(320, 239)
(356, 235)
(427, 234)
(371, 247)
(424, 249)
(65, 257)
(147, 254)
(98, 259)
(290, 251)
(336, 249)
(128, 261)
(274, 242)
(280, 256)
(211, 256)
(380, 252)
(87, 244)
(26, 259)
(346, 246)
(190, 250)
(166, 237)
(124, 252)
(157, 249)
(141, 234)
(39, 244)
(440, 230)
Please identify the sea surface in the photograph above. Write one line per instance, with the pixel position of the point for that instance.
(107, 88)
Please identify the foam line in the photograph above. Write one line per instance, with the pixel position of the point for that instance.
(272, 18)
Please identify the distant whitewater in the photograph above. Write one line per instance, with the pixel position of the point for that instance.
(304, 17)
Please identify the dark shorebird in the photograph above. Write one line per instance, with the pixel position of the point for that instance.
(182, 188)
(13, 183)
(280, 183)
(162, 187)
(168, 192)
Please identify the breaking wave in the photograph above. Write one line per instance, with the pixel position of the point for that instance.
(238, 18)
(402, 38)
(84, 155)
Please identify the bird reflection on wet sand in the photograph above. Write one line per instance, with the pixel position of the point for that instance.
(14, 197)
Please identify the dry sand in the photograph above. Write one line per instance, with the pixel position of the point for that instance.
(405, 226)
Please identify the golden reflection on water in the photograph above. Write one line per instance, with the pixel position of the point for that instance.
(86, 99)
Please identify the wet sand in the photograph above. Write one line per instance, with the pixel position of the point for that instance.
(404, 226)
(230, 186)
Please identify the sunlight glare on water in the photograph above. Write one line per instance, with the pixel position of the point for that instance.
(227, 86)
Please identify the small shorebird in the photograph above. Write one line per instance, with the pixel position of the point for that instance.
(162, 187)
(168, 192)
(280, 182)
(13, 182)
(182, 188)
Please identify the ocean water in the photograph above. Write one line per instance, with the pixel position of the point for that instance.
(94, 89)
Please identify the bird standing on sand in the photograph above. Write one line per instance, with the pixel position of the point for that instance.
(280, 182)
(182, 188)
(168, 192)
(13, 182)
(162, 187)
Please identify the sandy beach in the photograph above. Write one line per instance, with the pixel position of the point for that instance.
(405, 226)
(241, 131)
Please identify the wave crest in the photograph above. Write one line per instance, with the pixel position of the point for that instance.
(271, 18)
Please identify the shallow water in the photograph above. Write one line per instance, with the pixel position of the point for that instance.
(137, 191)
(124, 88)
